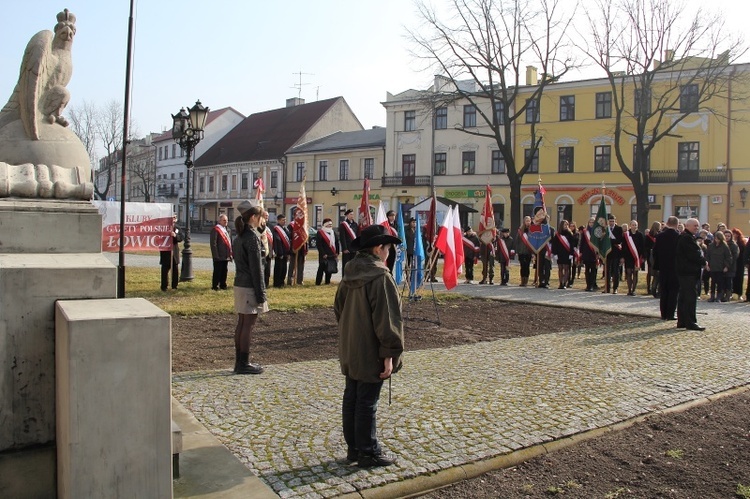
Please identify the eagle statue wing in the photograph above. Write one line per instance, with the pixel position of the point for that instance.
(33, 80)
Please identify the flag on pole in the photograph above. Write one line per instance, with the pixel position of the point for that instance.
(431, 222)
(417, 269)
(400, 265)
(299, 224)
(260, 188)
(380, 217)
(487, 231)
(458, 240)
(446, 244)
(599, 235)
(364, 218)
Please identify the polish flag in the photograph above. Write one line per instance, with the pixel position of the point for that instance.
(458, 241)
(446, 243)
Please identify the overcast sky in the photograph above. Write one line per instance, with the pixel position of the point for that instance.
(237, 53)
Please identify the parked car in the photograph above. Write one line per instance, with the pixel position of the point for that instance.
(311, 241)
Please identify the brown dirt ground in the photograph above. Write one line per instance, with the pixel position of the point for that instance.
(700, 453)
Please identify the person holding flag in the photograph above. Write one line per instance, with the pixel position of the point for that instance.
(298, 229)
(632, 255)
(348, 232)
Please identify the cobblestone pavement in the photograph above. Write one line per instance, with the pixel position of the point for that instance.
(465, 404)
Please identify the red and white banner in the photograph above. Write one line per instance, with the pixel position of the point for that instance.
(457, 236)
(364, 217)
(148, 226)
(446, 243)
(299, 223)
(487, 231)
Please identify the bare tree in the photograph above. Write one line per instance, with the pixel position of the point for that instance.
(663, 64)
(482, 48)
(142, 169)
(83, 122)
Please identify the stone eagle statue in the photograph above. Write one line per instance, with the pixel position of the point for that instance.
(47, 66)
(39, 156)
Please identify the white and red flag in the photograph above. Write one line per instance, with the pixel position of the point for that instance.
(458, 236)
(446, 243)
(364, 218)
(260, 188)
(299, 224)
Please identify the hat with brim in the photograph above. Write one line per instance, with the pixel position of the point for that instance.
(245, 206)
(372, 236)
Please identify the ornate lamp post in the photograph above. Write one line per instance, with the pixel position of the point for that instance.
(187, 130)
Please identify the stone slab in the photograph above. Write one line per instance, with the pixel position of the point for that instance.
(30, 284)
(114, 431)
(45, 226)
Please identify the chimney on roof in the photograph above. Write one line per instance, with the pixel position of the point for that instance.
(294, 101)
(531, 77)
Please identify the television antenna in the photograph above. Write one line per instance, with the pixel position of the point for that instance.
(299, 85)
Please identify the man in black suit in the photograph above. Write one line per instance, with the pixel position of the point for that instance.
(664, 254)
(615, 255)
(348, 232)
(170, 259)
(689, 261)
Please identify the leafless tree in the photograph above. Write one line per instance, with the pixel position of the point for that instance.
(83, 122)
(663, 63)
(488, 43)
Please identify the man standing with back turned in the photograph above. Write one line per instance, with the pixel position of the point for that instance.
(689, 262)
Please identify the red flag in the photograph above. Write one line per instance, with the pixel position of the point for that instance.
(364, 217)
(431, 222)
(299, 224)
(446, 244)
(487, 231)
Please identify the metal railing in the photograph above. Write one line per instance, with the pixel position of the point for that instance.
(671, 176)
(400, 180)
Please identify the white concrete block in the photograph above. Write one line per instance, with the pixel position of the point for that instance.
(114, 413)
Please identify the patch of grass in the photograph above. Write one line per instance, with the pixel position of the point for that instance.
(743, 491)
(572, 484)
(200, 250)
(197, 298)
(675, 453)
(553, 490)
(615, 493)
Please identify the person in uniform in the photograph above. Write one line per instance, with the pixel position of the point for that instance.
(506, 251)
(221, 253)
(282, 249)
(348, 232)
(471, 253)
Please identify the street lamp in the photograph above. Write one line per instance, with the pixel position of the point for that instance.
(187, 130)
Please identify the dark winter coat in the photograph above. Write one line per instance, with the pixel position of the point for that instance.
(688, 256)
(248, 262)
(368, 311)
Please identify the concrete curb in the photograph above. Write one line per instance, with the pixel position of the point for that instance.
(423, 484)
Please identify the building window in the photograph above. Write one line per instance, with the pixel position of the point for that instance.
(255, 178)
(180, 185)
(641, 102)
(300, 171)
(172, 176)
(234, 182)
(499, 113)
(470, 116)
(498, 162)
(565, 160)
(344, 169)
(202, 184)
(408, 165)
(567, 108)
(532, 161)
(646, 159)
(182, 174)
(441, 118)
(174, 150)
(688, 156)
(689, 98)
(323, 170)
(441, 163)
(369, 168)
(468, 162)
(160, 154)
(243, 182)
(604, 104)
(602, 158)
(211, 184)
(410, 121)
(223, 182)
(274, 179)
(532, 111)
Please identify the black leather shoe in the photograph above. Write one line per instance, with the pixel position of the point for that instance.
(249, 369)
(351, 456)
(695, 327)
(370, 460)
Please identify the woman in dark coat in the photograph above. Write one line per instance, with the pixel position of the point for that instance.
(739, 275)
(249, 287)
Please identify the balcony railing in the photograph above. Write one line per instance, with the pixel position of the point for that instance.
(399, 180)
(167, 193)
(670, 176)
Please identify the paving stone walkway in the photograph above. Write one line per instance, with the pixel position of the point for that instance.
(470, 403)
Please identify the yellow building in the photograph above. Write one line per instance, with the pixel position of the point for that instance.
(703, 170)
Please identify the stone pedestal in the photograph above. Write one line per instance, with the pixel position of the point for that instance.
(113, 399)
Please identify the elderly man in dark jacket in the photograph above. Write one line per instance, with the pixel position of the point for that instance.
(689, 261)
(664, 257)
(371, 341)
